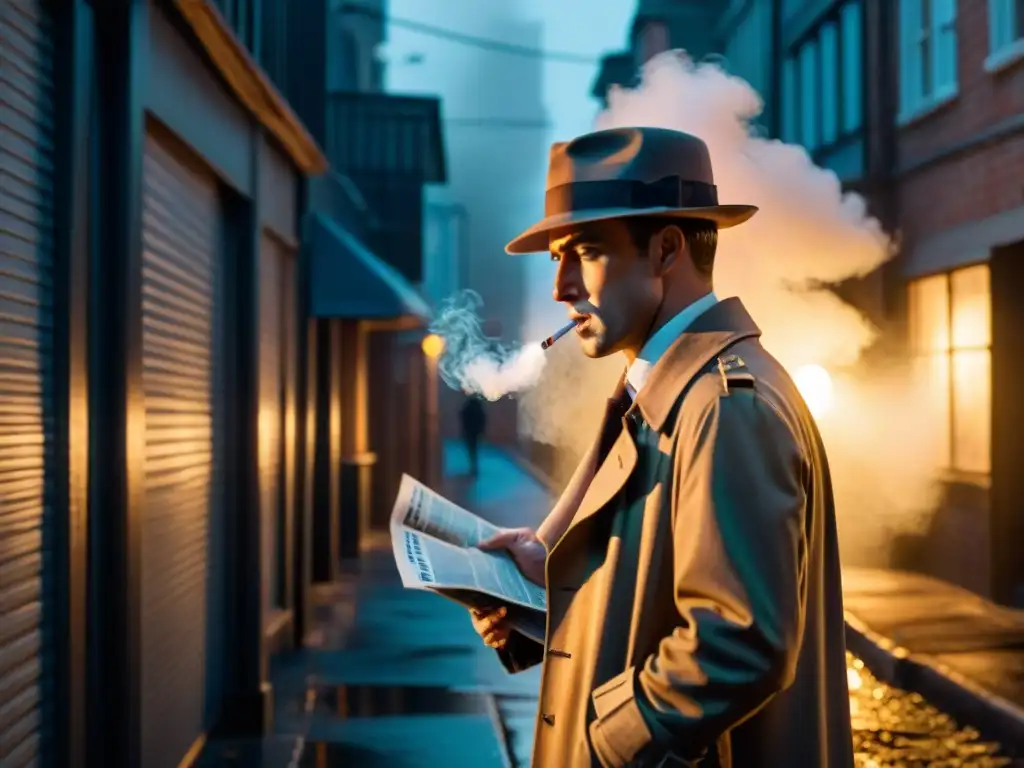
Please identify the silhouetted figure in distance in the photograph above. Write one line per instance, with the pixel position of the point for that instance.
(474, 423)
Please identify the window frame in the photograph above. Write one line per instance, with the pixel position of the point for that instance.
(1003, 52)
(923, 39)
(951, 466)
(792, 123)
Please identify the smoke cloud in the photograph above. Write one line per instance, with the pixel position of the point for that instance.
(478, 364)
(807, 235)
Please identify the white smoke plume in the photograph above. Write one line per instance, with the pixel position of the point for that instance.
(475, 363)
(806, 234)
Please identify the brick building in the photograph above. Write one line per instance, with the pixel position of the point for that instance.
(918, 105)
(959, 201)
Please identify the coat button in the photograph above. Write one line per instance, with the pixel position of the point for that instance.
(548, 719)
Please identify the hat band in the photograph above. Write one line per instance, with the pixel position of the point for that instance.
(669, 192)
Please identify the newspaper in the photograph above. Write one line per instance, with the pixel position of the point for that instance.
(435, 545)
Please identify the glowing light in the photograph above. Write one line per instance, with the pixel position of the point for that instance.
(853, 679)
(815, 385)
(433, 346)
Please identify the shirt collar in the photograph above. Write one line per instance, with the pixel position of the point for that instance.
(661, 340)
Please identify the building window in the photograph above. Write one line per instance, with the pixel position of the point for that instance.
(1006, 32)
(851, 77)
(790, 107)
(928, 55)
(951, 344)
(809, 95)
(829, 43)
(822, 82)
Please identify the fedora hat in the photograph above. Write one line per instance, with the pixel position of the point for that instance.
(626, 172)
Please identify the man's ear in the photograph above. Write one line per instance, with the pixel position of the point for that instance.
(671, 247)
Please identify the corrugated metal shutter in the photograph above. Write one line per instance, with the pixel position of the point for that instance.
(26, 383)
(181, 565)
(271, 348)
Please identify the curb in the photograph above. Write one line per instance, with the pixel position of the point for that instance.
(994, 717)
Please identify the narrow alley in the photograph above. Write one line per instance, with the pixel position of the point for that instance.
(398, 679)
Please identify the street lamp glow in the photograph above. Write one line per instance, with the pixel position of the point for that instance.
(433, 346)
(815, 385)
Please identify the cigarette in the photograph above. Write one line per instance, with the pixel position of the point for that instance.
(558, 334)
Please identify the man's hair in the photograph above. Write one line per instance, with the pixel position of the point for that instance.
(701, 237)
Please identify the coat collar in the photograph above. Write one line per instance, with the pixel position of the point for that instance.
(719, 327)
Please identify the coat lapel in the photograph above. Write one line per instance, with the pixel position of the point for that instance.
(714, 331)
(610, 478)
(574, 496)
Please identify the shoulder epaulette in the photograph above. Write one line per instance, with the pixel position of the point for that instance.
(734, 373)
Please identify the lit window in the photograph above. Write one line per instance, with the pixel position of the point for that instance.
(928, 54)
(951, 339)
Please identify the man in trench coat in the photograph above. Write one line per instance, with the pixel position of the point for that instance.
(695, 610)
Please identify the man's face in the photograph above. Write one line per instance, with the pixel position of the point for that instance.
(606, 282)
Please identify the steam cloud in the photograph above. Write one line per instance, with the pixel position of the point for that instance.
(475, 363)
(807, 234)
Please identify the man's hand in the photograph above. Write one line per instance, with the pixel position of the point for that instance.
(491, 626)
(526, 549)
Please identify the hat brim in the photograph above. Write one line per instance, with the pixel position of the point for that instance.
(537, 237)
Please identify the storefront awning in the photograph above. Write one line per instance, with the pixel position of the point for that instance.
(348, 282)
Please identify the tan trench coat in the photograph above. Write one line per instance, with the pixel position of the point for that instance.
(694, 599)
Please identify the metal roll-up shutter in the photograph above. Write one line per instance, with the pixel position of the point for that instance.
(26, 383)
(182, 564)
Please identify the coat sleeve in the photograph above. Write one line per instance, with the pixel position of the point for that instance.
(739, 546)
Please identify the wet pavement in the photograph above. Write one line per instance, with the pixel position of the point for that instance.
(399, 678)
(893, 728)
(396, 678)
(960, 650)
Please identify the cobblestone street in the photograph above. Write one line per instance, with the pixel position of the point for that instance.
(896, 728)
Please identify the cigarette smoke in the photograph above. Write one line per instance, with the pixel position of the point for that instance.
(478, 364)
(807, 235)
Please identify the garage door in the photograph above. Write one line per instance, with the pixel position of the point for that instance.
(26, 380)
(182, 562)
